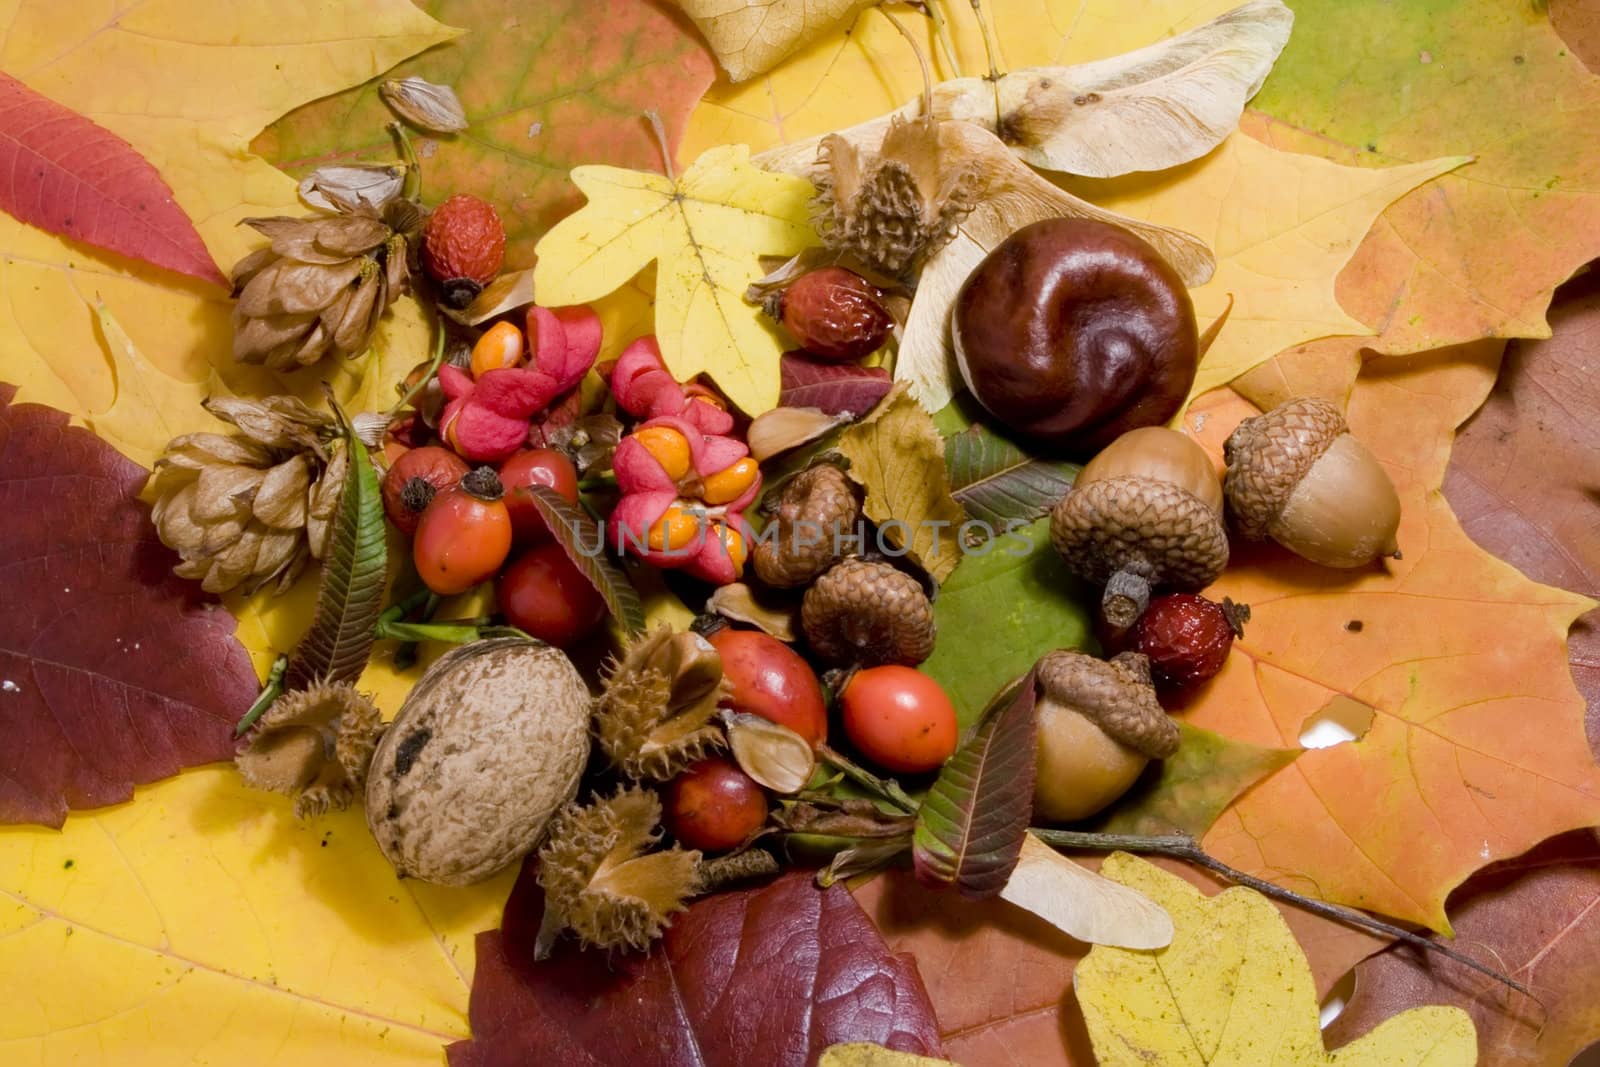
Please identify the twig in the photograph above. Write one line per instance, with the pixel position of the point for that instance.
(411, 184)
(427, 376)
(941, 30)
(269, 693)
(922, 60)
(885, 788)
(991, 49)
(1183, 847)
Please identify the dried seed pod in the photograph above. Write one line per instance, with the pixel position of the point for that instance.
(657, 711)
(1296, 474)
(771, 753)
(816, 511)
(314, 744)
(781, 429)
(355, 187)
(1099, 724)
(1145, 512)
(427, 106)
(602, 882)
(866, 614)
(488, 745)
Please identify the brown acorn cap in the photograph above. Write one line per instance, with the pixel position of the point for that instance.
(1128, 529)
(1269, 454)
(864, 613)
(1116, 694)
(816, 510)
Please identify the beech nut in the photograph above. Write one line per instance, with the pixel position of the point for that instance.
(1296, 474)
(1073, 331)
(1145, 512)
(1099, 725)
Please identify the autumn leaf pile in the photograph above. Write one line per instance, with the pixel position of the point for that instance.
(1404, 194)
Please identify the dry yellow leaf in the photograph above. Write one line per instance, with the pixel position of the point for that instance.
(165, 75)
(896, 453)
(202, 922)
(706, 232)
(751, 37)
(1086, 905)
(865, 1054)
(1234, 990)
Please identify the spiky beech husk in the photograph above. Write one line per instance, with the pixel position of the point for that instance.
(316, 743)
(656, 713)
(602, 882)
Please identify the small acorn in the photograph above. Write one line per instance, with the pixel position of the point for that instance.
(864, 614)
(815, 512)
(1296, 474)
(1099, 726)
(1145, 512)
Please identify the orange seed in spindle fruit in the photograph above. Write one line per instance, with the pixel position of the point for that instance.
(498, 348)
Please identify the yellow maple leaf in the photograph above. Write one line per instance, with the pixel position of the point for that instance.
(897, 454)
(1282, 225)
(751, 37)
(202, 921)
(706, 231)
(1234, 990)
(866, 1054)
(166, 75)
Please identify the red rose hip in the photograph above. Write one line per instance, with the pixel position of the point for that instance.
(769, 679)
(537, 466)
(1187, 637)
(834, 314)
(714, 806)
(545, 595)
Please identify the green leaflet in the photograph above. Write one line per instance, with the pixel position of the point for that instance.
(584, 543)
(350, 599)
(996, 481)
(970, 826)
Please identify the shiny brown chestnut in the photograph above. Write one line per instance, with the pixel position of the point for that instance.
(1073, 331)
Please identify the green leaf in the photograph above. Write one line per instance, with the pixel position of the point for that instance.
(350, 598)
(1189, 789)
(971, 824)
(996, 481)
(1009, 602)
(584, 543)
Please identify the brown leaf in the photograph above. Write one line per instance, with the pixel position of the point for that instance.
(768, 976)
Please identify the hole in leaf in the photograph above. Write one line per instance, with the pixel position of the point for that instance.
(1333, 1004)
(1339, 720)
(1589, 1057)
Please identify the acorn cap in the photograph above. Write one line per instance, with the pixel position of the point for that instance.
(815, 511)
(1165, 533)
(1268, 455)
(864, 613)
(1116, 694)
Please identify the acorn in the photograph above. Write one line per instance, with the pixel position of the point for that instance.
(1099, 726)
(865, 614)
(1145, 512)
(1296, 474)
(815, 512)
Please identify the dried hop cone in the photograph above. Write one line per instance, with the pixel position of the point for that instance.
(657, 711)
(602, 882)
(316, 743)
(894, 209)
(320, 286)
(249, 508)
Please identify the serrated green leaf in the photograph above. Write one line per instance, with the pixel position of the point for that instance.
(1009, 602)
(970, 826)
(997, 481)
(350, 598)
(584, 543)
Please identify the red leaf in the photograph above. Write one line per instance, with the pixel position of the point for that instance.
(62, 173)
(768, 976)
(113, 671)
(836, 388)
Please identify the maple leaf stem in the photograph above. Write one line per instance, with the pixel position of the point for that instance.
(922, 60)
(653, 117)
(269, 693)
(941, 29)
(883, 788)
(1184, 847)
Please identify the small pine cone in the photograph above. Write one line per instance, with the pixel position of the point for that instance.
(815, 512)
(656, 712)
(248, 508)
(867, 613)
(602, 882)
(316, 743)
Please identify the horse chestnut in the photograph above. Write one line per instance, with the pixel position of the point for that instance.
(1074, 331)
